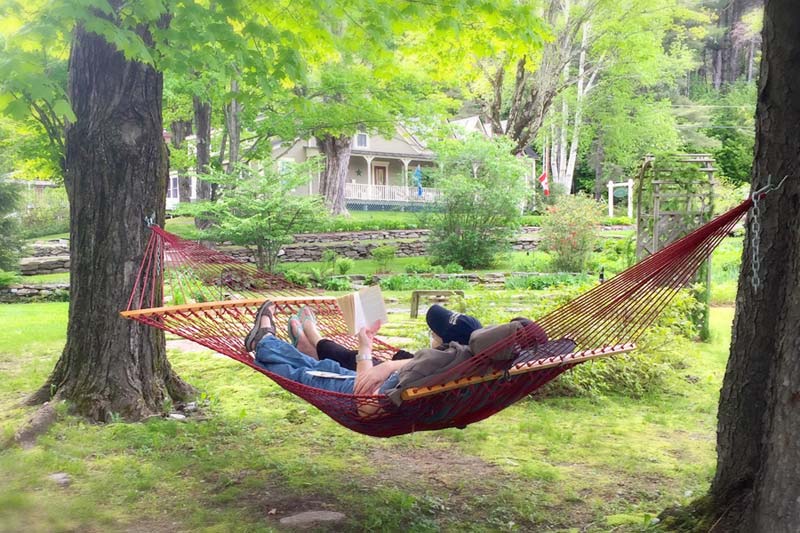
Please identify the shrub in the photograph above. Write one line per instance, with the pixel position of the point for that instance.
(453, 268)
(482, 185)
(337, 284)
(545, 281)
(298, 278)
(658, 359)
(344, 265)
(531, 220)
(383, 255)
(617, 221)
(10, 244)
(318, 276)
(410, 283)
(8, 278)
(537, 261)
(257, 208)
(569, 232)
(377, 221)
(329, 257)
(422, 266)
(44, 213)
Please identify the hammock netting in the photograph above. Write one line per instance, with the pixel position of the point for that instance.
(211, 298)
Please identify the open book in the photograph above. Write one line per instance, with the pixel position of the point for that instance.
(363, 308)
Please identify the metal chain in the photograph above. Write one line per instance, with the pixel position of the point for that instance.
(755, 244)
(755, 241)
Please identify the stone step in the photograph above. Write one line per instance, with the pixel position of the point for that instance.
(30, 266)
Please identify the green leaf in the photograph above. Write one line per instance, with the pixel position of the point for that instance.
(63, 109)
(18, 109)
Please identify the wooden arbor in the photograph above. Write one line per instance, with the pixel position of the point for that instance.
(675, 195)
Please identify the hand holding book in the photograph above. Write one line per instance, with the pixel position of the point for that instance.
(363, 309)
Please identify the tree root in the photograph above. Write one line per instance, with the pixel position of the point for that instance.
(36, 425)
(41, 396)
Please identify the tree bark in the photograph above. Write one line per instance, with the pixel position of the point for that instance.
(756, 486)
(180, 130)
(202, 123)
(535, 89)
(234, 128)
(116, 161)
(337, 158)
(202, 126)
(729, 62)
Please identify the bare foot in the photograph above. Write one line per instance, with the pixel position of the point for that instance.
(303, 344)
(311, 332)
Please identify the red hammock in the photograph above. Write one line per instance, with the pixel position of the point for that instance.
(211, 298)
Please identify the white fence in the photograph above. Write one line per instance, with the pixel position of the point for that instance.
(389, 193)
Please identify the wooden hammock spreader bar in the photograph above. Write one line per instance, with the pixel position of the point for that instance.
(222, 304)
(521, 368)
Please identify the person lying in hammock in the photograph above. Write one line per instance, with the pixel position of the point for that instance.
(390, 378)
(299, 364)
(283, 359)
(445, 326)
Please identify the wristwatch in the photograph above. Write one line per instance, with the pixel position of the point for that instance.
(363, 357)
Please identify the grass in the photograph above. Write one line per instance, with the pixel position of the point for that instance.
(43, 279)
(51, 237)
(259, 453)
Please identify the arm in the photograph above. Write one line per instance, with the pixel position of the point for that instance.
(369, 378)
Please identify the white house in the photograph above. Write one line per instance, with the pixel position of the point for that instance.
(381, 169)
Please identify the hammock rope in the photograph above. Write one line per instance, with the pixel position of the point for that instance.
(211, 298)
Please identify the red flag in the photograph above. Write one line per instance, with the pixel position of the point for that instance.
(545, 185)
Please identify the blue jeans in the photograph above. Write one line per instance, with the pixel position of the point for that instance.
(285, 360)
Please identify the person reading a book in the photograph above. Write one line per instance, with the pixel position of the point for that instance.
(285, 360)
(445, 326)
(390, 378)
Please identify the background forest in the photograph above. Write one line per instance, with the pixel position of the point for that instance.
(590, 86)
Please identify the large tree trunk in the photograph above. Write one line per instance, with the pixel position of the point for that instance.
(202, 126)
(729, 60)
(116, 177)
(234, 128)
(180, 130)
(757, 484)
(337, 159)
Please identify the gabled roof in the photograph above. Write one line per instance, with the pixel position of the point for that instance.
(467, 125)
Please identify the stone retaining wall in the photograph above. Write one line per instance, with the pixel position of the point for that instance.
(53, 256)
(31, 266)
(52, 292)
(49, 248)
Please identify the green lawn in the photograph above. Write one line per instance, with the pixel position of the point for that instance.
(42, 279)
(258, 453)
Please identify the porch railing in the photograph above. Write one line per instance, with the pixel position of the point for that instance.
(389, 193)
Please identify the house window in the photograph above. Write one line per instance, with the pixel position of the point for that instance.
(362, 139)
(173, 191)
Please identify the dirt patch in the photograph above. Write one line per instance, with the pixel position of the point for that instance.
(446, 468)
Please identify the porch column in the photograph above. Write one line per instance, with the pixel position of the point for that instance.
(405, 171)
(369, 159)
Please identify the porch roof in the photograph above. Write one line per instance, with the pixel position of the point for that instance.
(393, 155)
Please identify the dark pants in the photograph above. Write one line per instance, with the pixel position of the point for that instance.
(328, 349)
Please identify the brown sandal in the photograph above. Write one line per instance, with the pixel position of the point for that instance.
(258, 332)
